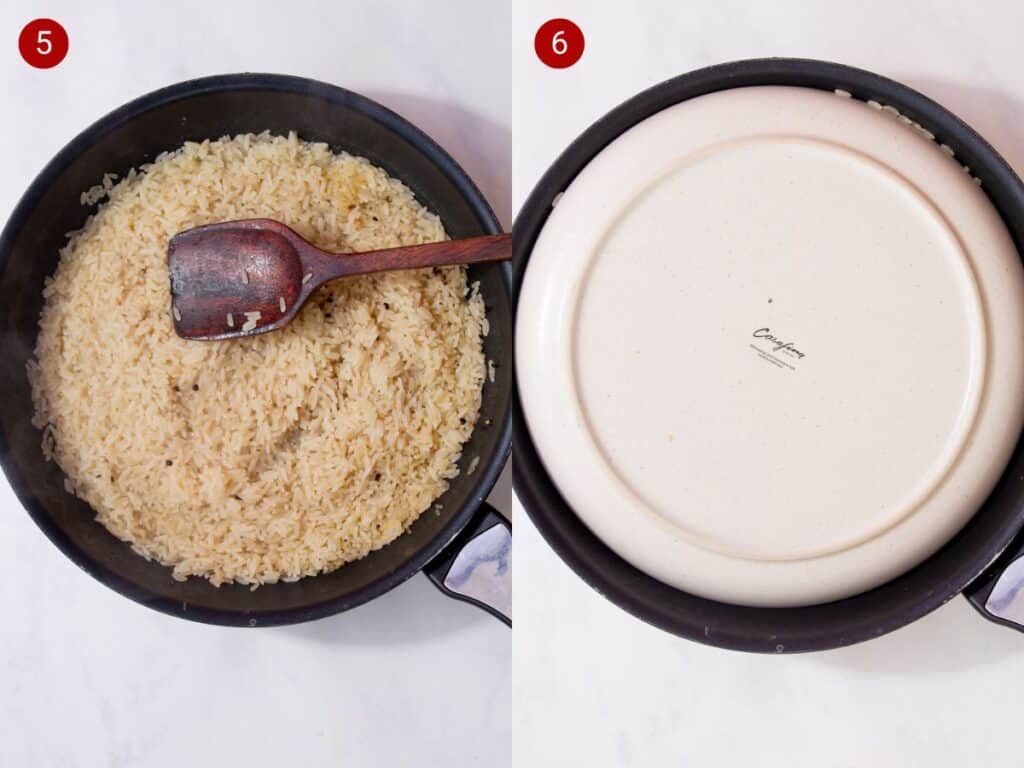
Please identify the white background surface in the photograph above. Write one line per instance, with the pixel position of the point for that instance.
(596, 687)
(88, 678)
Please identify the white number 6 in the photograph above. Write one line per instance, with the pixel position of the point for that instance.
(43, 44)
(558, 44)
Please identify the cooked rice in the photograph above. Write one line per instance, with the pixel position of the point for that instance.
(251, 319)
(271, 457)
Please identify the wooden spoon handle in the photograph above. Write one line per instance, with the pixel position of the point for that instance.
(472, 250)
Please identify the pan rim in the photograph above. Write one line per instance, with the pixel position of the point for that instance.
(486, 474)
(675, 611)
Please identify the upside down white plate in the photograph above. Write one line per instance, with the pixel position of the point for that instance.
(770, 346)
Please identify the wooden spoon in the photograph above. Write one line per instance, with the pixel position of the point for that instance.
(240, 278)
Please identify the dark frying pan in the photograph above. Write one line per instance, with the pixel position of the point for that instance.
(985, 560)
(465, 549)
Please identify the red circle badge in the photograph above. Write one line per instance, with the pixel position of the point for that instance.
(559, 43)
(43, 43)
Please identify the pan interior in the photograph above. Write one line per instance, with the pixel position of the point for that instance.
(132, 137)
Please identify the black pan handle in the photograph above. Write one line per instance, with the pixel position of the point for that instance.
(474, 567)
(998, 593)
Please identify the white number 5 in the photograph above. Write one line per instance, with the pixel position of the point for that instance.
(43, 44)
(558, 44)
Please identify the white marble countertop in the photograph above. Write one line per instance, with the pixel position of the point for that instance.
(88, 678)
(595, 686)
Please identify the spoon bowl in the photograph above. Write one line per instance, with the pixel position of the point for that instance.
(232, 279)
(241, 278)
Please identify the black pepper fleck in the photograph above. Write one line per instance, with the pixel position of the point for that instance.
(170, 463)
(376, 477)
(195, 387)
(177, 388)
(386, 305)
(462, 420)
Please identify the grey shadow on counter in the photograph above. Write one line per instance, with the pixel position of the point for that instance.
(481, 146)
(407, 615)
